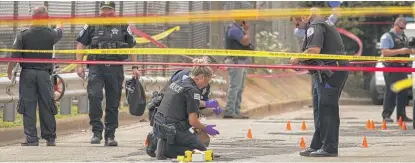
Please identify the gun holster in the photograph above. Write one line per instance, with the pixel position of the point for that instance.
(169, 132)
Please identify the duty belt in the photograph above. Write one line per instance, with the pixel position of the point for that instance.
(323, 75)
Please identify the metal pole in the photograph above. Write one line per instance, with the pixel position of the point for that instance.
(214, 40)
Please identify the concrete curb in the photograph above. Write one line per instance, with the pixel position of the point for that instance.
(64, 126)
(276, 108)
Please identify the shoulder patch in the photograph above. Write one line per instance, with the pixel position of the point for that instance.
(310, 31)
(129, 30)
(196, 96)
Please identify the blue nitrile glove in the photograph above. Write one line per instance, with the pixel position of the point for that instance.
(217, 111)
(210, 130)
(211, 104)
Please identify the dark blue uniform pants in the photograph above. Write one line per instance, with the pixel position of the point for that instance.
(392, 99)
(109, 77)
(326, 111)
(184, 139)
(35, 88)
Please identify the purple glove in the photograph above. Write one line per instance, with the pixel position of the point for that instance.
(210, 130)
(211, 104)
(217, 111)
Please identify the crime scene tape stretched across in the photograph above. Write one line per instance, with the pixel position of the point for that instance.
(212, 52)
(143, 39)
(222, 15)
(334, 68)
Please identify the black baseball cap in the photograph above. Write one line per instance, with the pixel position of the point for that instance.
(107, 4)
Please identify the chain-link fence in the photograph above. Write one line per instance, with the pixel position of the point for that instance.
(279, 33)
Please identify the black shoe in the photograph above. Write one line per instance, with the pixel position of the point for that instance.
(229, 116)
(152, 145)
(26, 143)
(161, 149)
(307, 152)
(96, 139)
(406, 119)
(388, 119)
(322, 153)
(110, 142)
(50, 142)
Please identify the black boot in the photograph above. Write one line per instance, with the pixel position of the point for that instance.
(110, 141)
(161, 149)
(50, 142)
(27, 143)
(96, 139)
(152, 145)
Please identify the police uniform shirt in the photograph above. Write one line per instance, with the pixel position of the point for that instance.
(184, 74)
(180, 99)
(323, 33)
(36, 38)
(387, 42)
(86, 34)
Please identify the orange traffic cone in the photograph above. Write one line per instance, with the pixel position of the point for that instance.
(403, 126)
(302, 143)
(249, 134)
(303, 126)
(364, 144)
(288, 128)
(384, 125)
(368, 125)
(400, 121)
(372, 125)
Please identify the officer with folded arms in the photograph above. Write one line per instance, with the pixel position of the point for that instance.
(178, 114)
(105, 76)
(322, 37)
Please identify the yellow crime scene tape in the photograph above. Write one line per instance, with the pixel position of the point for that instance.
(139, 40)
(160, 36)
(212, 52)
(221, 15)
(401, 85)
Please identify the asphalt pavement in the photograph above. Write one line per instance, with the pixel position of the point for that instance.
(270, 142)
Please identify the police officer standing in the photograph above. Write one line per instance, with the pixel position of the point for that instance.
(395, 44)
(322, 38)
(178, 114)
(35, 87)
(106, 76)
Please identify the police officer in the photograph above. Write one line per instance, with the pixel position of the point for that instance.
(322, 38)
(207, 107)
(237, 37)
(35, 86)
(395, 44)
(178, 115)
(106, 76)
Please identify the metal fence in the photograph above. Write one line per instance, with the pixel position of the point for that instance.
(191, 35)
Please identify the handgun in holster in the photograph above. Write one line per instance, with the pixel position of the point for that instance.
(323, 75)
(170, 132)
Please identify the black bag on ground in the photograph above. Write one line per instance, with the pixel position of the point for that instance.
(136, 97)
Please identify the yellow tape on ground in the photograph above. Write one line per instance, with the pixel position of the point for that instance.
(212, 52)
(223, 15)
(157, 37)
(401, 85)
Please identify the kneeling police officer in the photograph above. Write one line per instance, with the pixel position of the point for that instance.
(207, 107)
(322, 37)
(178, 114)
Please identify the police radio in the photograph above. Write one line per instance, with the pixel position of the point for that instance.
(411, 42)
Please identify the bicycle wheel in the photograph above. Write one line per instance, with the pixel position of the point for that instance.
(58, 87)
